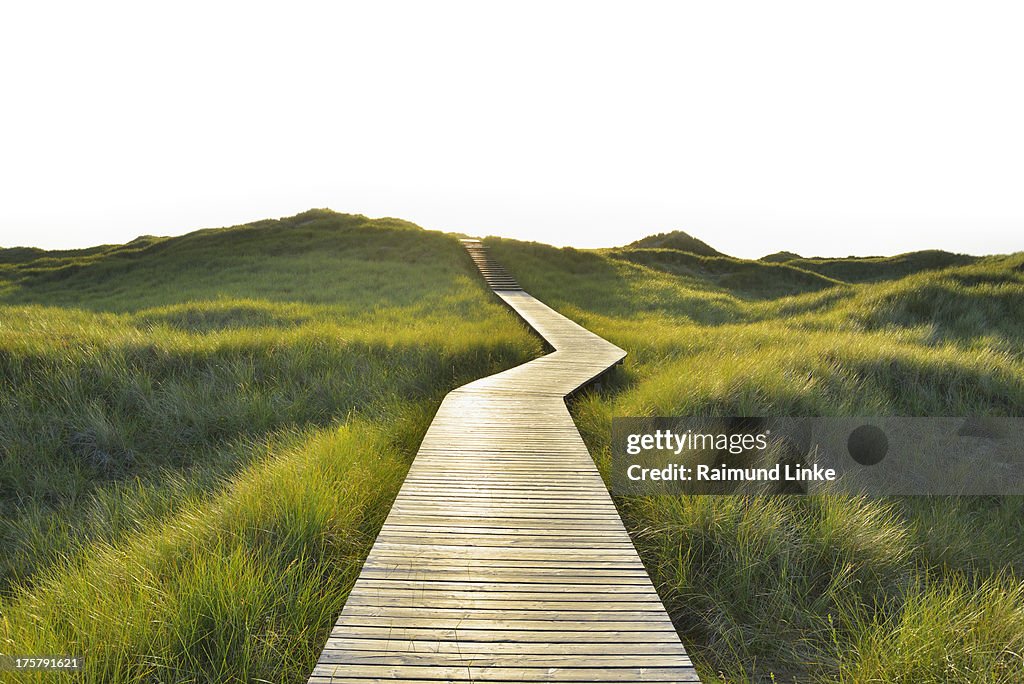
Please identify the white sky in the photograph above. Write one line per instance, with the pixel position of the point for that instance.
(822, 128)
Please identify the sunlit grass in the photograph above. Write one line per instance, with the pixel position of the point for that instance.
(200, 436)
(819, 589)
(241, 585)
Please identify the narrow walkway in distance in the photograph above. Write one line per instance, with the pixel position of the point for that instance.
(503, 558)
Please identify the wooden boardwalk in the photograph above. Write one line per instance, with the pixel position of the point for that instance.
(503, 558)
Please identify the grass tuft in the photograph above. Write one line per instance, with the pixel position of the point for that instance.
(829, 588)
(201, 436)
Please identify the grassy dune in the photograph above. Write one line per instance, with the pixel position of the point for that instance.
(200, 436)
(829, 588)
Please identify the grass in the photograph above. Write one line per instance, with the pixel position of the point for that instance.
(817, 589)
(237, 587)
(200, 436)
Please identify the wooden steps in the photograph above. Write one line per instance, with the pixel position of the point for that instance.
(496, 276)
(503, 558)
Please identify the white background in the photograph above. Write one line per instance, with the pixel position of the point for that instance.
(822, 128)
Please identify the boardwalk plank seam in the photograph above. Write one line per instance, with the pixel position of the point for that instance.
(503, 558)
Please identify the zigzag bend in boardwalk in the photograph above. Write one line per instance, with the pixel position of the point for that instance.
(503, 558)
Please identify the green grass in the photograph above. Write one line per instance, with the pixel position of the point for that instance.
(677, 240)
(200, 436)
(238, 586)
(818, 589)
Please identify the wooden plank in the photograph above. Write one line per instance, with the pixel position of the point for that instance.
(607, 634)
(344, 672)
(503, 558)
(569, 564)
(500, 648)
(490, 660)
(512, 609)
(614, 579)
(506, 617)
(559, 587)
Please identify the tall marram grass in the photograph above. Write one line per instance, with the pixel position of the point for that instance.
(821, 589)
(200, 436)
(238, 587)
